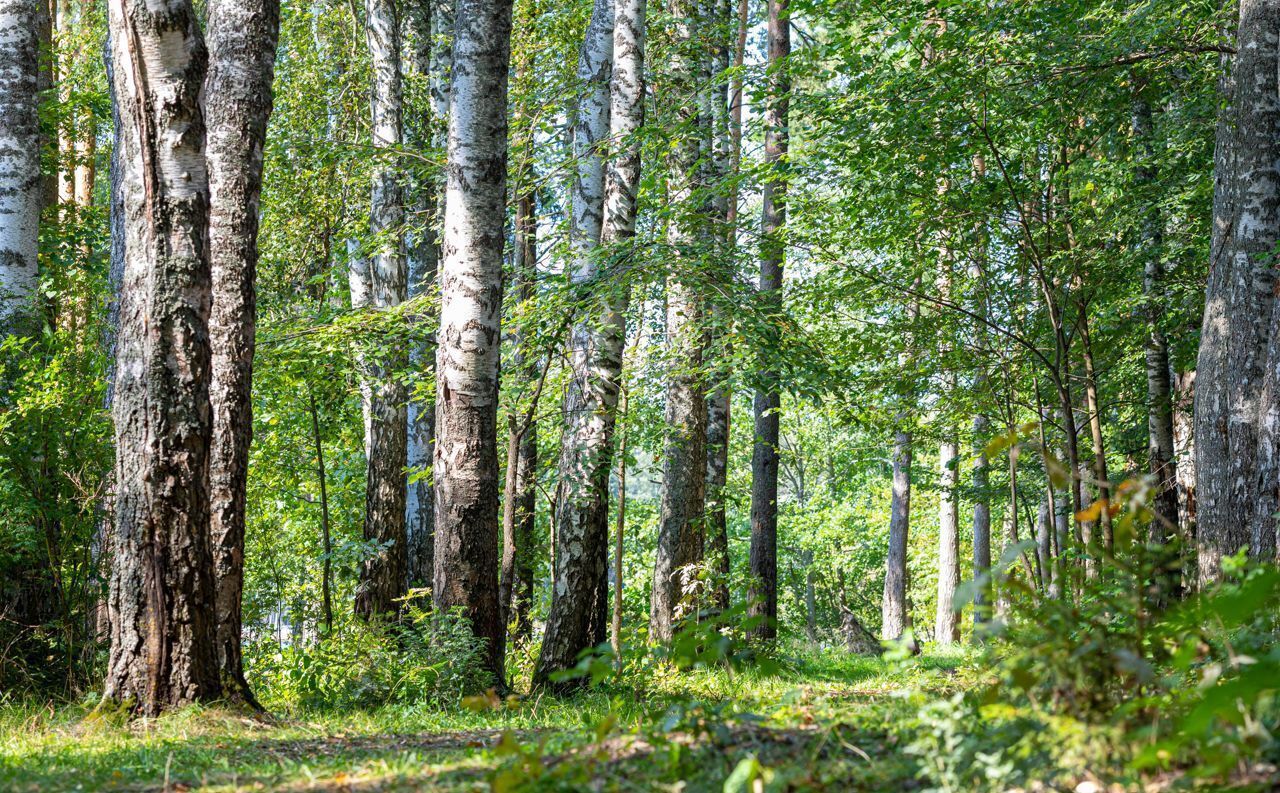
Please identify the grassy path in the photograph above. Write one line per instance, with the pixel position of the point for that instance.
(825, 723)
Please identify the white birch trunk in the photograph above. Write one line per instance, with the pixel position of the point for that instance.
(21, 186)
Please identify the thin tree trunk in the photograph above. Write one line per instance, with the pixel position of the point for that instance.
(21, 186)
(1160, 451)
(237, 104)
(466, 459)
(423, 254)
(895, 619)
(581, 509)
(383, 576)
(1094, 405)
(162, 635)
(946, 621)
(619, 535)
(724, 148)
(326, 574)
(520, 495)
(764, 458)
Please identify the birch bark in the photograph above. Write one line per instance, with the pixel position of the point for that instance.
(466, 460)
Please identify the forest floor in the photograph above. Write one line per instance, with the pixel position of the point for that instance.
(821, 721)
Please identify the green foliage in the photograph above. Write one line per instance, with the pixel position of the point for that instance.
(427, 660)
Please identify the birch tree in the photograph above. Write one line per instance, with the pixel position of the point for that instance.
(383, 576)
(579, 594)
(682, 500)
(764, 458)
(466, 461)
(237, 91)
(162, 631)
(21, 186)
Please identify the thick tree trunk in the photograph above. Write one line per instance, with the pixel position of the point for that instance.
(947, 621)
(21, 186)
(520, 496)
(237, 104)
(466, 458)
(764, 457)
(162, 635)
(895, 618)
(579, 590)
(1239, 295)
(582, 498)
(383, 577)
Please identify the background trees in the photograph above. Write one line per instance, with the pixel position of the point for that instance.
(995, 238)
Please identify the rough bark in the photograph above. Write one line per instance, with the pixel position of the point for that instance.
(597, 340)
(578, 594)
(383, 577)
(21, 186)
(1184, 386)
(237, 104)
(947, 618)
(162, 634)
(466, 460)
(764, 457)
(1239, 295)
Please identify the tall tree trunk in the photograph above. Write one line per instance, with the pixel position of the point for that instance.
(466, 458)
(681, 508)
(237, 104)
(424, 261)
(21, 186)
(619, 535)
(383, 577)
(723, 157)
(1161, 458)
(1094, 405)
(764, 457)
(520, 496)
(579, 591)
(326, 572)
(162, 635)
(581, 511)
(1184, 386)
(1239, 296)
(946, 621)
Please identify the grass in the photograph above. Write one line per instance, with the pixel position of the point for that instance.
(823, 720)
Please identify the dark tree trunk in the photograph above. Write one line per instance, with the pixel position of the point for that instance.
(466, 458)
(521, 496)
(237, 104)
(162, 635)
(764, 457)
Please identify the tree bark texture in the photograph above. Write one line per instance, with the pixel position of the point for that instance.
(894, 617)
(383, 576)
(21, 186)
(682, 501)
(768, 403)
(162, 635)
(237, 103)
(1239, 296)
(596, 341)
(579, 592)
(466, 460)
